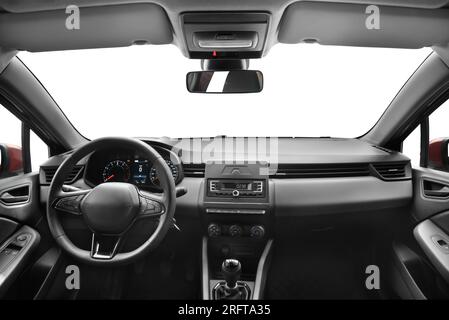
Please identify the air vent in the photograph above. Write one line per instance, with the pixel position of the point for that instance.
(391, 170)
(71, 177)
(194, 170)
(286, 171)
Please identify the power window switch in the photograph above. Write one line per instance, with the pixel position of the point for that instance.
(442, 243)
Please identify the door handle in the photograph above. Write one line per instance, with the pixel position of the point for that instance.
(8, 198)
(435, 189)
(443, 193)
(17, 195)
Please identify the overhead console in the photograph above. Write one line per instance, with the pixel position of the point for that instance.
(223, 35)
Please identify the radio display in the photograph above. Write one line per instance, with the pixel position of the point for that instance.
(236, 186)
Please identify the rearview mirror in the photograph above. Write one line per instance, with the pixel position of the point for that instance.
(235, 81)
(10, 160)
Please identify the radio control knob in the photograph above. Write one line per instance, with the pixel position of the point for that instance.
(213, 230)
(257, 232)
(235, 230)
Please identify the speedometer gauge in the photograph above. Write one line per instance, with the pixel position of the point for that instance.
(154, 177)
(116, 171)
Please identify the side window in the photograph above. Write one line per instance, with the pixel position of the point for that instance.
(439, 138)
(14, 160)
(10, 144)
(38, 151)
(427, 145)
(411, 147)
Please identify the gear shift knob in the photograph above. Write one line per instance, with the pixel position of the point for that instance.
(231, 269)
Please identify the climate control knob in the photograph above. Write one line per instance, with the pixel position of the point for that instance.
(213, 230)
(257, 232)
(235, 230)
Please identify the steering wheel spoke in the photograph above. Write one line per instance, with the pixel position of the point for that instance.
(151, 205)
(70, 201)
(104, 247)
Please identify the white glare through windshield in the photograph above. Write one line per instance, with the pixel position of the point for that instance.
(140, 91)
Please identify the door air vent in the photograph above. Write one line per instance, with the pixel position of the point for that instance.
(71, 177)
(389, 171)
(286, 171)
(194, 170)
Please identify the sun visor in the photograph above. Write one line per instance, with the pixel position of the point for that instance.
(90, 27)
(364, 25)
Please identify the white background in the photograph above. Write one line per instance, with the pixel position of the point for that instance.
(139, 91)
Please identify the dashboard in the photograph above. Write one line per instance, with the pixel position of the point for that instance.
(122, 165)
(314, 176)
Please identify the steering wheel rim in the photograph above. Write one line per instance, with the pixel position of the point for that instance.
(82, 198)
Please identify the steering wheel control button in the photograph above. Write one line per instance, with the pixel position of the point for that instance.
(150, 207)
(69, 204)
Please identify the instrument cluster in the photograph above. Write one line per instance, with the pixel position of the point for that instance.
(127, 166)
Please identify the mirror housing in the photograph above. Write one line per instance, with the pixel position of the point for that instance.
(234, 81)
(11, 162)
(438, 154)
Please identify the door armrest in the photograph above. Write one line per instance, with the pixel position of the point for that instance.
(14, 252)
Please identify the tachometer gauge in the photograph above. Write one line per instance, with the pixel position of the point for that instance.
(154, 177)
(116, 171)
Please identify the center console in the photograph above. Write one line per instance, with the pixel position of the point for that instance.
(237, 221)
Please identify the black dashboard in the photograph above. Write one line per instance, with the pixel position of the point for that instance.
(124, 165)
(313, 176)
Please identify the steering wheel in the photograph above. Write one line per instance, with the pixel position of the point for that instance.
(110, 209)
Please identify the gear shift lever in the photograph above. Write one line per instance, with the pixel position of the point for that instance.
(231, 288)
(232, 269)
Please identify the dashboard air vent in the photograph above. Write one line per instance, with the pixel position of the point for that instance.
(286, 171)
(194, 170)
(71, 177)
(391, 170)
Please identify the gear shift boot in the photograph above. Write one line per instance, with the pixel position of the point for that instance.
(240, 292)
(231, 288)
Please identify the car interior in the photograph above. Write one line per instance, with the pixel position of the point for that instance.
(225, 217)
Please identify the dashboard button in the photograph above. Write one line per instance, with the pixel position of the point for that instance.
(257, 232)
(214, 230)
(235, 231)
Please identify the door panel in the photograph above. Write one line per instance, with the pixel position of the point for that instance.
(431, 193)
(431, 210)
(7, 228)
(15, 253)
(19, 200)
(435, 243)
(19, 212)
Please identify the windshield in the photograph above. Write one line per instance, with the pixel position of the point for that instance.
(140, 91)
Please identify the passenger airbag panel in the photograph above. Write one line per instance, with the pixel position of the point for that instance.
(303, 197)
